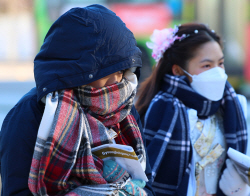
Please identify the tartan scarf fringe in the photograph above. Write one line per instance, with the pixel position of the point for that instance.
(63, 163)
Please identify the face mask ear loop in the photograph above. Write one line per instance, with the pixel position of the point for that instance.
(187, 73)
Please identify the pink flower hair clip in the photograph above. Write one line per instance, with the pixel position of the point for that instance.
(162, 40)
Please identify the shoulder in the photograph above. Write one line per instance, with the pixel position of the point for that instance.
(161, 103)
(23, 119)
(162, 97)
(160, 111)
(26, 108)
(29, 98)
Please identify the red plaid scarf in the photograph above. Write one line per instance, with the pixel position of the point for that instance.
(63, 163)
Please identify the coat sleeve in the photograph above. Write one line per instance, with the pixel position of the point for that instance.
(148, 188)
(17, 141)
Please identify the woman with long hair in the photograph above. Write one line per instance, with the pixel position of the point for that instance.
(191, 113)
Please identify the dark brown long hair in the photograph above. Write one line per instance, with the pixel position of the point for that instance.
(179, 53)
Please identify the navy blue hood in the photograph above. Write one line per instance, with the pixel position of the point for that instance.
(84, 45)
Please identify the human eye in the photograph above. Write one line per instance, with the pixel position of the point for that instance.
(121, 72)
(206, 66)
(221, 64)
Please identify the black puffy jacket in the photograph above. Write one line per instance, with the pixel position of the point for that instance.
(83, 45)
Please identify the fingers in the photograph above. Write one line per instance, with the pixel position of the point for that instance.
(55, 97)
(51, 100)
(221, 184)
(229, 165)
(52, 95)
(225, 182)
(231, 182)
(231, 169)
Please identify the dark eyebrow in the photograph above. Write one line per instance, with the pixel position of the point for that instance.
(208, 60)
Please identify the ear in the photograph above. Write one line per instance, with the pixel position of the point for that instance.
(177, 71)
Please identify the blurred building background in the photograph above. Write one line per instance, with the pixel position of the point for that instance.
(24, 24)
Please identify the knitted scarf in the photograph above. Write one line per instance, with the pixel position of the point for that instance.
(62, 162)
(167, 131)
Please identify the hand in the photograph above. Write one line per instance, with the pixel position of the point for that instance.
(112, 172)
(134, 187)
(231, 183)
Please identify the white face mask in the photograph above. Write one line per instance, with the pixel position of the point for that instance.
(210, 83)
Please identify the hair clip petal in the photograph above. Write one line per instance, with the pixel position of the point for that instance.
(161, 40)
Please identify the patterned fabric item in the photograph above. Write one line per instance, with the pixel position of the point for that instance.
(134, 187)
(167, 131)
(63, 163)
(112, 172)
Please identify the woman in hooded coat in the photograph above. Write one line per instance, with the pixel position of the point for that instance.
(86, 75)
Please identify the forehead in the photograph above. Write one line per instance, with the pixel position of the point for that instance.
(210, 50)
